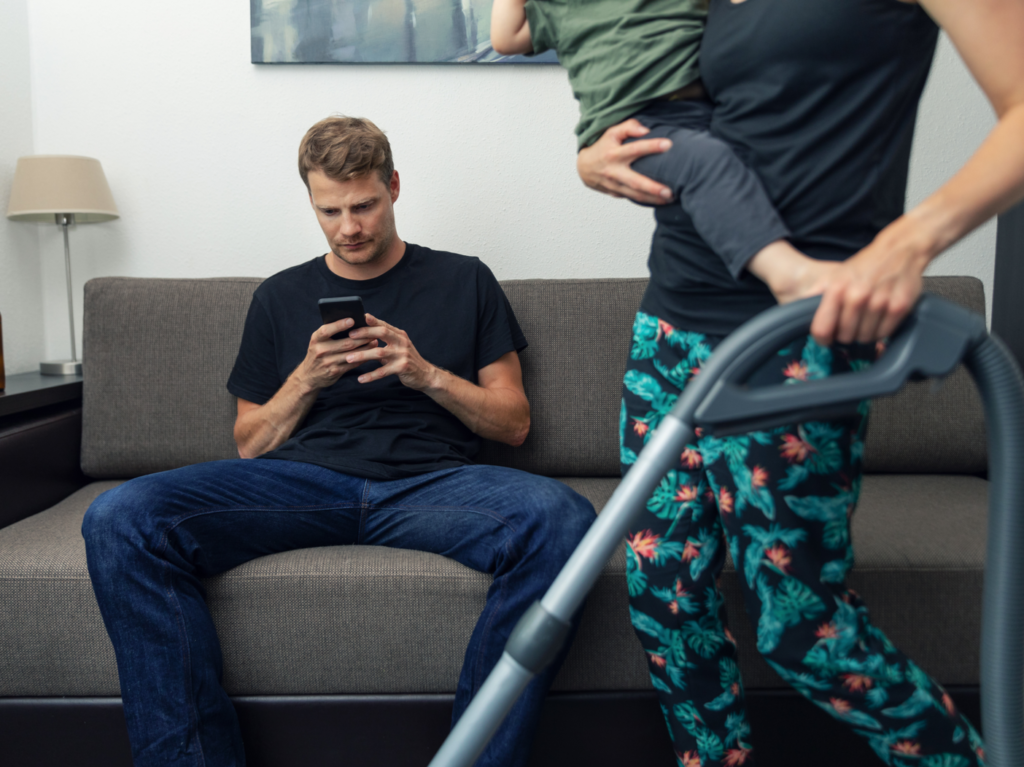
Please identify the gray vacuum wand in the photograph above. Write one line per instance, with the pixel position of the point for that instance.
(930, 342)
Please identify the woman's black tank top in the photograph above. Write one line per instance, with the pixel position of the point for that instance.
(819, 98)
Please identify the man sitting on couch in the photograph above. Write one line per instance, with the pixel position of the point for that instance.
(363, 439)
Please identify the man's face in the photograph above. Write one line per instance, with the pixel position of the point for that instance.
(357, 216)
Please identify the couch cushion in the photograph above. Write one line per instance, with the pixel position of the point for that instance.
(354, 619)
(158, 352)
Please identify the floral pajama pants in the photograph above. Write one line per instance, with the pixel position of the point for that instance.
(781, 500)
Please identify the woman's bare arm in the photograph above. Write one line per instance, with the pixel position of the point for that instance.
(869, 294)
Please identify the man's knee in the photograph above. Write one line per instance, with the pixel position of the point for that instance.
(563, 514)
(101, 516)
(116, 519)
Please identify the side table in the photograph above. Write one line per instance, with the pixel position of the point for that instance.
(26, 392)
(40, 443)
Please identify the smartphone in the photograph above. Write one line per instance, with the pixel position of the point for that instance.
(334, 309)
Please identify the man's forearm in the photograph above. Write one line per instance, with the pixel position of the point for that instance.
(497, 408)
(493, 413)
(270, 425)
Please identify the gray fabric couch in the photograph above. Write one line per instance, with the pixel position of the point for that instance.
(344, 623)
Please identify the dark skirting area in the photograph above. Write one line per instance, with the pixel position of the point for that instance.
(595, 729)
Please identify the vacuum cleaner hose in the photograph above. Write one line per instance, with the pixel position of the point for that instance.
(1002, 632)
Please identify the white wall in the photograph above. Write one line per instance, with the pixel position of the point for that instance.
(20, 286)
(199, 147)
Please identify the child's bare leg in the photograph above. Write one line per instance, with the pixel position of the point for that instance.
(788, 273)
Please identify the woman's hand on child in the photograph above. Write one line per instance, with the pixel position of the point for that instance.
(604, 165)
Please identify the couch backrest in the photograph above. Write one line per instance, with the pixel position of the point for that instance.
(580, 333)
(158, 352)
(156, 355)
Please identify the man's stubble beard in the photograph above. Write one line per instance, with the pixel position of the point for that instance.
(376, 254)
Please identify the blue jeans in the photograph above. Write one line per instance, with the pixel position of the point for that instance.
(151, 541)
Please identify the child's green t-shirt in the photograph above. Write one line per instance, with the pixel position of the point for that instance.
(620, 54)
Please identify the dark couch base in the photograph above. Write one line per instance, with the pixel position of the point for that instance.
(595, 729)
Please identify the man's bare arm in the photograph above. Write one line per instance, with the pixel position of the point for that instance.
(496, 408)
(262, 428)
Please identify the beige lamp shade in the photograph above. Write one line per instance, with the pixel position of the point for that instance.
(45, 185)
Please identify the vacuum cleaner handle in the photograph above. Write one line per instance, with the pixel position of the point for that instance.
(930, 342)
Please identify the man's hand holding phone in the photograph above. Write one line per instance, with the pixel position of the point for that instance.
(396, 353)
(325, 359)
(350, 337)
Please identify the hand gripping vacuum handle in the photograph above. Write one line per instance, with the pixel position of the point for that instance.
(930, 342)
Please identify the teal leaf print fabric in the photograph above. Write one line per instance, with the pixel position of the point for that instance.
(645, 337)
(780, 503)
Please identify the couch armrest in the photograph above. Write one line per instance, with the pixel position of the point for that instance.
(39, 460)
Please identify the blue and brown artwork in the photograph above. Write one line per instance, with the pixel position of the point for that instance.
(376, 32)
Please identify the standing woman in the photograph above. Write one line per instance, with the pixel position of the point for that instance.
(820, 98)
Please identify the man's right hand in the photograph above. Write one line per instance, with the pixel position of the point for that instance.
(325, 358)
(261, 428)
(605, 164)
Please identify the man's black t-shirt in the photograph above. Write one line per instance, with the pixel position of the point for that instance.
(455, 314)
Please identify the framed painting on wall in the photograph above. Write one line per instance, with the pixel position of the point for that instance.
(376, 32)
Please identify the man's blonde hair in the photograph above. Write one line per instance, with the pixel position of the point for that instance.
(343, 148)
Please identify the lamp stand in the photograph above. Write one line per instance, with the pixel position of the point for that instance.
(70, 367)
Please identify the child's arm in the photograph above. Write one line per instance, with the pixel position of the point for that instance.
(510, 31)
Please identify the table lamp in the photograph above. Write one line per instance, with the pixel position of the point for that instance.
(68, 190)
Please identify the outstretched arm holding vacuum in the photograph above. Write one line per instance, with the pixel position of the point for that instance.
(868, 296)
